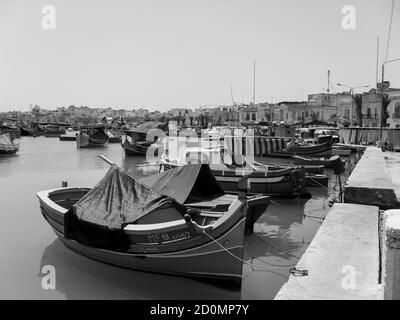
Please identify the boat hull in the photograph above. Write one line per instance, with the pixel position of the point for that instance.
(85, 141)
(15, 132)
(275, 187)
(218, 256)
(136, 149)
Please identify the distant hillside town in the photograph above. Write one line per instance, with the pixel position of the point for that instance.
(342, 109)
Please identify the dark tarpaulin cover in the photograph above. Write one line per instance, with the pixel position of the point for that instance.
(190, 183)
(98, 219)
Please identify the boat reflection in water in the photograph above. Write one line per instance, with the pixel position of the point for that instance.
(78, 277)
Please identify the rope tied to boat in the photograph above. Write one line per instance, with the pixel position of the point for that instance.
(304, 215)
(261, 268)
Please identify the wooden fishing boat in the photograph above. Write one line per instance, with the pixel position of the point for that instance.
(7, 144)
(91, 137)
(287, 147)
(12, 129)
(313, 161)
(53, 131)
(264, 179)
(114, 136)
(196, 186)
(146, 230)
(135, 142)
(33, 130)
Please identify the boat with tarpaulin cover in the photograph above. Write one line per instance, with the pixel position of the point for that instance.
(7, 144)
(123, 222)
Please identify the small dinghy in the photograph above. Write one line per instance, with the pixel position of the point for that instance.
(7, 144)
(123, 222)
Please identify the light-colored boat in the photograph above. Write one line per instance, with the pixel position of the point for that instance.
(275, 181)
(7, 144)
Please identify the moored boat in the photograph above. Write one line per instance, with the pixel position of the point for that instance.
(314, 161)
(264, 179)
(194, 185)
(7, 144)
(146, 230)
(114, 136)
(53, 131)
(12, 129)
(32, 130)
(91, 137)
(135, 142)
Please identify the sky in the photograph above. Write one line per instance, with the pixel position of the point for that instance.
(162, 54)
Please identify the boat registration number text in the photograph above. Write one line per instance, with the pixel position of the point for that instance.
(167, 236)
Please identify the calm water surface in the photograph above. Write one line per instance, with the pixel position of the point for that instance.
(27, 242)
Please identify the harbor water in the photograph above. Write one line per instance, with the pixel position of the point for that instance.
(27, 243)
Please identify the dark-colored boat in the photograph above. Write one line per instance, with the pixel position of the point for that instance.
(12, 129)
(121, 221)
(114, 136)
(53, 131)
(91, 137)
(68, 137)
(33, 130)
(314, 161)
(7, 144)
(136, 143)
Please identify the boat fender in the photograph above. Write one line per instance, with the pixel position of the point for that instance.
(337, 164)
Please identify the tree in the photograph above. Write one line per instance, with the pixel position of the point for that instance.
(385, 103)
(357, 99)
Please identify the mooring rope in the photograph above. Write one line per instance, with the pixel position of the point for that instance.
(318, 183)
(263, 261)
(296, 213)
(262, 268)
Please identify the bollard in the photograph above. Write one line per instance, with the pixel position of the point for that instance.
(391, 255)
(64, 184)
(381, 145)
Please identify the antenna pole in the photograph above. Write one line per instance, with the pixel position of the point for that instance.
(230, 84)
(254, 83)
(329, 81)
(377, 61)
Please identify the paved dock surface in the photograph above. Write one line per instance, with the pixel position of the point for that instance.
(371, 183)
(343, 258)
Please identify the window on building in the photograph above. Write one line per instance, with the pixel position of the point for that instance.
(253, 116)
(369, 113)
(397, 110)
(247, 116)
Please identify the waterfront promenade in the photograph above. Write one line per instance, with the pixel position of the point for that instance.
(354, 252)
